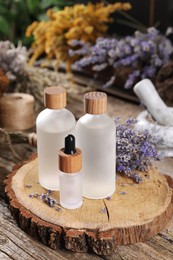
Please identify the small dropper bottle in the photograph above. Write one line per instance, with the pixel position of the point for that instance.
(70, 177)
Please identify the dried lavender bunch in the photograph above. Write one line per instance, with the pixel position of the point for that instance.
(135, 149)
(12, 59)
(50, 201)
(145, 53)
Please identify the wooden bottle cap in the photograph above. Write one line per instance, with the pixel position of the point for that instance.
(54, 97)
(70, 163)
(95, 103)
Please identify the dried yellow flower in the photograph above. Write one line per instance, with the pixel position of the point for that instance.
(80, 22)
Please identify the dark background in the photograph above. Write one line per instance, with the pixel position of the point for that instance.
(163, 12)
(141, 10)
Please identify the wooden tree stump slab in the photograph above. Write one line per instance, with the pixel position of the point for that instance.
(135, 213)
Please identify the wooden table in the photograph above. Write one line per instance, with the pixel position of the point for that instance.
(15, 244)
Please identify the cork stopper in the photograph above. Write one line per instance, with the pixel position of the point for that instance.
(95, 103)
(70, 157)
(55, 97)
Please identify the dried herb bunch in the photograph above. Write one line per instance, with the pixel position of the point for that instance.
(81, 22)
(135, 149)
(17, 76)
(12, 59)
(145, 53)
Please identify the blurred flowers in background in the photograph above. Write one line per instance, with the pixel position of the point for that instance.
(79, 34)
(12, 59)
(81, 22)
(17, 76)
(144, 53)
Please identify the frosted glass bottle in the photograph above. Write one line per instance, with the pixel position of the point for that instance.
(70, 178)
(52, 125)
(95, 136)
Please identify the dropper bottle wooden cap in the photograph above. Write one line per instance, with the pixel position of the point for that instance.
(70, 157)
(55, 97)
(95, 103)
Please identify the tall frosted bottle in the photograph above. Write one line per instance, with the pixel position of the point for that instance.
(95, 135)
(53, 124)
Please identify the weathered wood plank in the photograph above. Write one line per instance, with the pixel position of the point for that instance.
(141, 251)
(17, 245)
(4, 256)
(162, 245)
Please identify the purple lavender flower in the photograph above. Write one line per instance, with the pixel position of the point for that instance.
(100, 67)
(46, 198)
(103, 210)
(108, 198)
(34, 195)
(110, 82)
(145, 53)
(75, 43)
(43, 196)
(122, 193)
(131, 79)
(136, 177)
(135, 150)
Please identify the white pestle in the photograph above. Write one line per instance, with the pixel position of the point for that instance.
(149, 97)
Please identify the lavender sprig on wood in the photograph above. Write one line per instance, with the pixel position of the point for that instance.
(145, 53)
(135, 149)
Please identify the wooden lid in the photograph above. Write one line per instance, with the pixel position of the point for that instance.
(70, 163)
(54, 97)
(95, 103)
